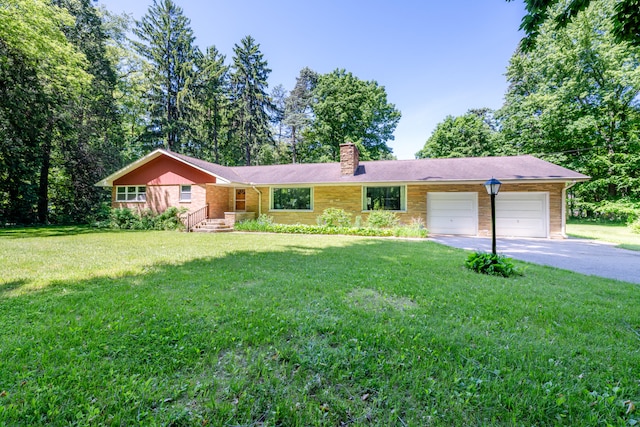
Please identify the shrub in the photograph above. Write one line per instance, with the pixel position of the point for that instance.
(126, 219)
(170, 219)
(334, 217)
(383, 219)
(123, 218)
(417, 223)
(410, 232)
(264, 219)
(255, 225)
(635, 227)
(623, 210)
(493, 265)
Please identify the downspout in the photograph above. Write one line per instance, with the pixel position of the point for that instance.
(259, 198)
(564, 208)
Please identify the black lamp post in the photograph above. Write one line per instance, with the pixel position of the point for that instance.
(493, 187)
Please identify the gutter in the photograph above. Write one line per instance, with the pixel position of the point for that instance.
(564, 208)
(259, 197)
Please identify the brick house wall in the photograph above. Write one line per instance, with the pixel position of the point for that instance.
(349, 198)
(218, 199)
(160, 197)
(162, 178)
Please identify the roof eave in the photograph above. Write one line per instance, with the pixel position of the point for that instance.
(408, 182)
(108, 181)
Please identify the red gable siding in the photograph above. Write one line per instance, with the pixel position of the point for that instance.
(165, 171)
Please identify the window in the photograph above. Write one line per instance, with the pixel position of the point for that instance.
(185, 193)
(131, 194)
(386, 198)
(297, 199)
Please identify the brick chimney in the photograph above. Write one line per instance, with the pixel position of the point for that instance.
(349, 159)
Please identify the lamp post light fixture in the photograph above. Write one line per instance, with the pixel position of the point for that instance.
(493, 187)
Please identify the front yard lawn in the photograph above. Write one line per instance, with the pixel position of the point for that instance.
(619, 234)
(167, 328)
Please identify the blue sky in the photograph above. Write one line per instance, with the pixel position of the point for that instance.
(434, 58)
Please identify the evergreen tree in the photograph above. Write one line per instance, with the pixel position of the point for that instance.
(212, 86)
(131, 86)
(250, 99)
(278, 98)
(166, 41)
(298, 112)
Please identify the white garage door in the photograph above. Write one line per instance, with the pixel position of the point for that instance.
(452, 213)
(522, 214)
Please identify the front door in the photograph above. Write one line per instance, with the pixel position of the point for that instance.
(240, 199)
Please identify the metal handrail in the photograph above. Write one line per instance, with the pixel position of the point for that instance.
(196, 217)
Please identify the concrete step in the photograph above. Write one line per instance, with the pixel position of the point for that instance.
(212, 226)
(211, 230)
(215, 221)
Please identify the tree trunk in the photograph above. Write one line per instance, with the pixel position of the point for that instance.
(43, 185)
(294, 153)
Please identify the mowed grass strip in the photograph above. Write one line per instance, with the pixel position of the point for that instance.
(165, 328)
(617, 233)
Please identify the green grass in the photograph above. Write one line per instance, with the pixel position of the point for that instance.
(167, 328)
(617, 233)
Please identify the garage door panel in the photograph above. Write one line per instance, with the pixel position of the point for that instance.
(513, 224)
(521, 215)
(517, 213)
(521, 205)
(452, 223)
(459, 205)
(452, 213)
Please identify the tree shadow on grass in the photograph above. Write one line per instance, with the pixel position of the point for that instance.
(8, 287)
(55, 231)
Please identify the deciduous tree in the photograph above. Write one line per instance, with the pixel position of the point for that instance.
(574, 99)
(625, 18)
(347, 109)
(41, 71)
(470, 135)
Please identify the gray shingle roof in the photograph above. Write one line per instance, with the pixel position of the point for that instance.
(423, 170)
(214, 168)
(476, 169)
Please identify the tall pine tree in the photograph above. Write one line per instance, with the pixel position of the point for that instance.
(251, 102)
(211, 99)
(298, 111)
(166, 41)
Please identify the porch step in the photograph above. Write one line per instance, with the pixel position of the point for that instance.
(212, 226)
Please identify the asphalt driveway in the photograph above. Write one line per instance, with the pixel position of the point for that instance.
(582, 256)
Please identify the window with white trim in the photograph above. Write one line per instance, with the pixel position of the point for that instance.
(131, 193)
(185, 193)
(292, 198)
(390, 198)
